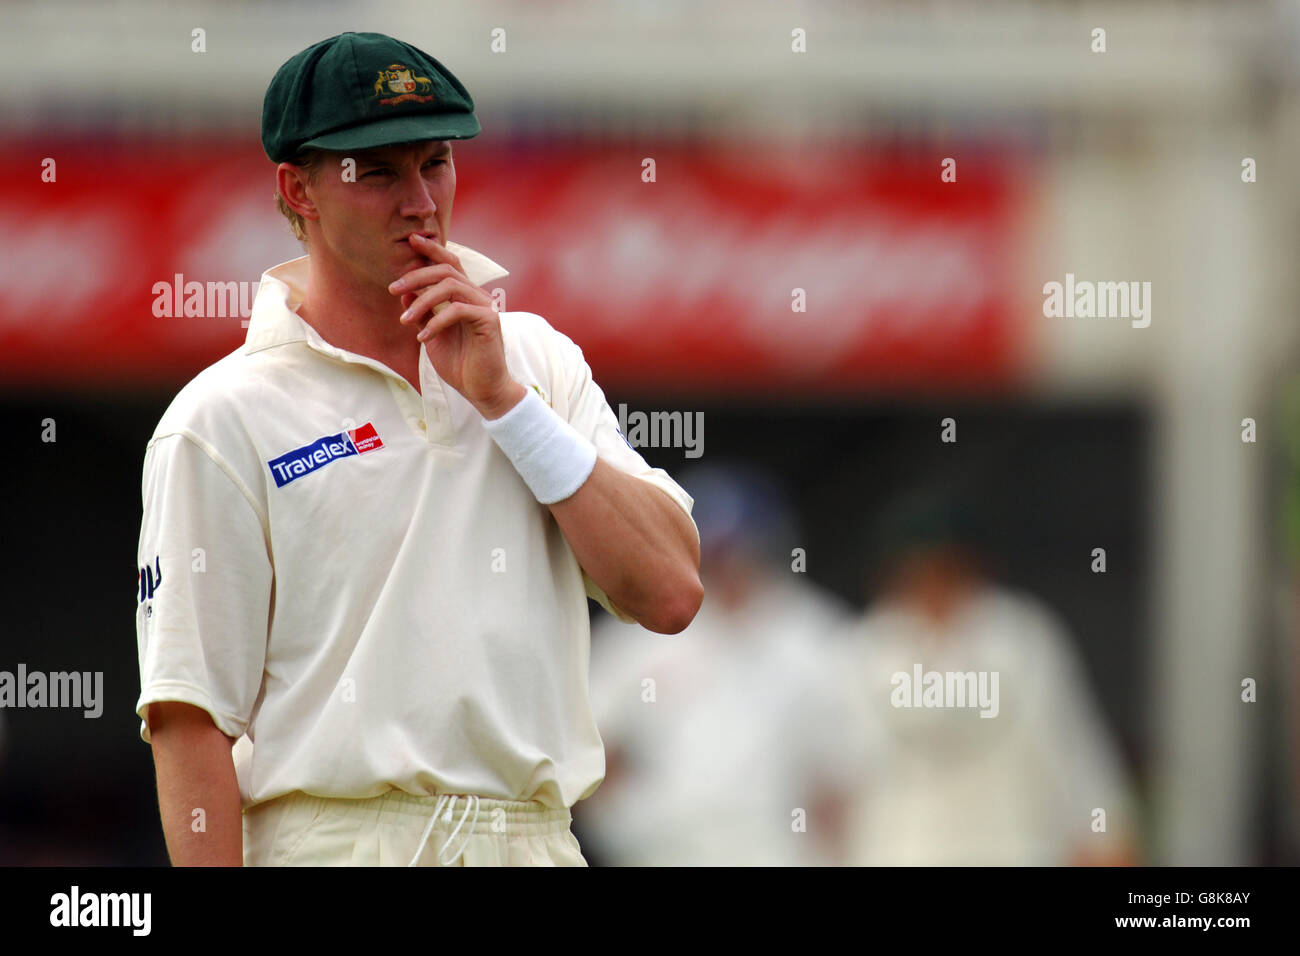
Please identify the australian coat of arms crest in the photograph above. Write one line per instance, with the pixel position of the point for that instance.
(397, 80)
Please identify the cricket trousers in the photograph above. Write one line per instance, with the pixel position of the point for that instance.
(402, 829)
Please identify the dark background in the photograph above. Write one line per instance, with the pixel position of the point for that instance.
(1053, 482)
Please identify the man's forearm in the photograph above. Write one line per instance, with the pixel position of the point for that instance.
(637, 545)
(198, 793)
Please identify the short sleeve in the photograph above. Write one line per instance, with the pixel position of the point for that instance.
(590, 414)
(1079, 755)
(204, 586)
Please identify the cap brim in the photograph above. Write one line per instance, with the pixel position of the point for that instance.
(395, 130)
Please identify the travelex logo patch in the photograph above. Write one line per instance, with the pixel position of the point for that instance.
(303, 461)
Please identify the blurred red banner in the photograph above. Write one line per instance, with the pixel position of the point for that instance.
(738, 268)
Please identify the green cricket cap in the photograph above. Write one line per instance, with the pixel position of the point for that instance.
(362, 90)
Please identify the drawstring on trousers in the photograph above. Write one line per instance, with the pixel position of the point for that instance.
(470, 800)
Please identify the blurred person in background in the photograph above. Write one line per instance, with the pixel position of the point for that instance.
(723, 744)
(1014, 776)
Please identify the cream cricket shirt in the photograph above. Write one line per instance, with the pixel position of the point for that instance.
(353, 574)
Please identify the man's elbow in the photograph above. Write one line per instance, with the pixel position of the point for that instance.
(674, 613)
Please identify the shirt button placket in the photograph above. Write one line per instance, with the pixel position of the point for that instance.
(436, 421)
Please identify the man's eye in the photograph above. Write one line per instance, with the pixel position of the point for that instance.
(375, 172)
(435, 162)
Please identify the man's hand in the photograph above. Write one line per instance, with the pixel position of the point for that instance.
(461, 329)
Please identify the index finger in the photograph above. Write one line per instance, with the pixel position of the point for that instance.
(433, 249)
(425, 275)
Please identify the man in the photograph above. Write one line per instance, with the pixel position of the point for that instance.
(983, 743)
(726, 746)
(371, 530)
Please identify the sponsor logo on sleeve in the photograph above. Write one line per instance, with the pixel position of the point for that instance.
(149, 579)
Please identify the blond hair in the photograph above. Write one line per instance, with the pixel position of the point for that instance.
(310, 160)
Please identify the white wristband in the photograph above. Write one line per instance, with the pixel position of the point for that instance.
(549, 453)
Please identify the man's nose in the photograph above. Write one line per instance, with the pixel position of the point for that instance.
(417, 203)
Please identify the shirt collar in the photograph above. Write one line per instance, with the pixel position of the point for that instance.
(275, 320)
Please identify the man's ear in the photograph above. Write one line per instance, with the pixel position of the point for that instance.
(291, 180)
